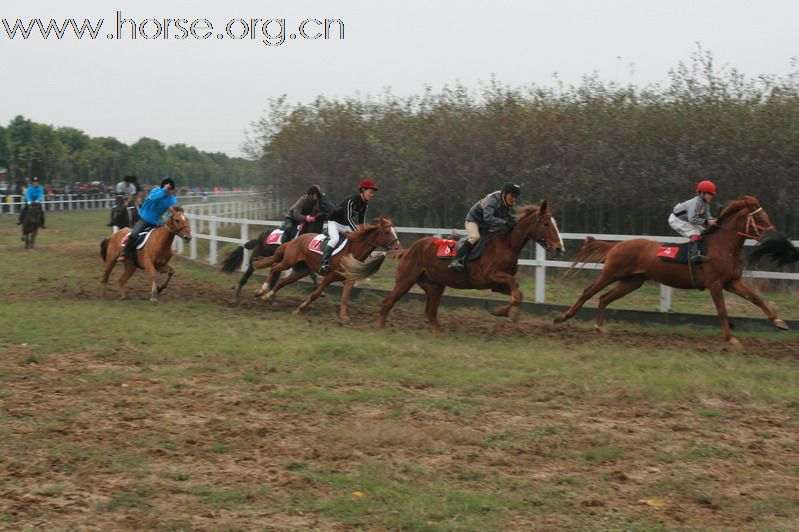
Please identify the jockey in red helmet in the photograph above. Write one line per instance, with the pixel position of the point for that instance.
(345, 218)
(691, 218)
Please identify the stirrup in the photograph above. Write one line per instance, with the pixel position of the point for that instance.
(699, 259)
(456, 264)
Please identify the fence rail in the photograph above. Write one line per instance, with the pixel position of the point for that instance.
(540, 263)
(13, 203)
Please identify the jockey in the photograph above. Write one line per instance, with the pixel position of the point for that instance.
(127, 189)
(157, 203)
(303, 212)
(345, 218)
(690, 218)
(33, 194)
(492, 213)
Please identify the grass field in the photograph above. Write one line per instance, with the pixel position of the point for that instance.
(196, 414)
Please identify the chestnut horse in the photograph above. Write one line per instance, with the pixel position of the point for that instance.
(153, 257)
(301, 260)
(633, 262)
(495, 268)
(261, 249)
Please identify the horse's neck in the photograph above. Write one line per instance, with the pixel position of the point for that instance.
(362, 247)
(166, 241)
(517, 237)
(730, 233)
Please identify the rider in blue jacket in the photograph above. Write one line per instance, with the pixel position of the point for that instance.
(157, 203)
(34, 194)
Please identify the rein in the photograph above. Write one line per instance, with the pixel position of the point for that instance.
(543, 242)
(756, 228)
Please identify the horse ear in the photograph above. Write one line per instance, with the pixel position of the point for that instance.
(543, 207)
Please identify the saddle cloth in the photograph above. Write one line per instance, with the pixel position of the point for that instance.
(143, 237)
(678, 253)
(273, 237)
(448, 248)
(317, 245)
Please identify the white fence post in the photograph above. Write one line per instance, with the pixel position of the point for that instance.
(540, 274)
(193, 243)
(245, 236)
(665, 298)
(213, 243)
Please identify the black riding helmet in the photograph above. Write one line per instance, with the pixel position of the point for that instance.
(313, 189)
(167, 181)
(511, 188)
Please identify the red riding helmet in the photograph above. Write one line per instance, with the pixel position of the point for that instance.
(367, 183)
(706, 186)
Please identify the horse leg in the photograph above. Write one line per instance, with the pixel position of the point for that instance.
(326, 280)
(433, 291)
(170, 271)
(277, 269)
(149, 269)
(130, 269)
(717, 293)
(603, 281)
(624, 287)
(243, 280)
(400, 289)
(110, 263)
(345, 297)
(740, 288)
(512, 309)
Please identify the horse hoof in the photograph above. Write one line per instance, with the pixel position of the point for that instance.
(601, 329)
(778, 323)
(344, 319)
(734, 342)
(267, 296)
(501, 312)
(296, 312)
(514, 314)
(154, 300)
(559, 319)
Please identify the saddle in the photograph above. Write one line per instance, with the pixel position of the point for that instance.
(678, 253)
(141, 240)
(317, 245)
(449, 247)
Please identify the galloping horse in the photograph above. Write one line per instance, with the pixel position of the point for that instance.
(123, 215)
(31, 223)
(153, 257)
(495, 269)
(261, 249)
(299, 258)
(633, 262)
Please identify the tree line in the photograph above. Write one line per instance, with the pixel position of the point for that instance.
(610, 158)
(68, 155)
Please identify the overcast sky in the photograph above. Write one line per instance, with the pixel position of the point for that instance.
(205, 92)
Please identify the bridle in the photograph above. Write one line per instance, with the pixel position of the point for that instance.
(753, 227)
(179, 229)
(544, 243)
(382, 230)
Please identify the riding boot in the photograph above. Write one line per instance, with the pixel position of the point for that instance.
(694, 254)
(324, 266)
(463, 252)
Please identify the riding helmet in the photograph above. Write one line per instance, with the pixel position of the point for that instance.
(706, 186)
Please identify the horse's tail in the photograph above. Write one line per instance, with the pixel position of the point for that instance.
(396, 254)
(593, 250)
(104, 247)
(776, 248)
(234, 259)
(265, 262)
(250, 244)
(354, 270)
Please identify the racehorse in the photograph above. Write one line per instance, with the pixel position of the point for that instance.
(495, 268)
(261, 249)
(152, 258)
(31, 223)
(297, 256)
(633, 262)
(123, 215)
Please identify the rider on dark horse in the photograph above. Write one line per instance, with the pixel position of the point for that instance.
(692, 217)
(33, 194)
(345, 218)
(492, 213)
(305, 210)
(157, 203)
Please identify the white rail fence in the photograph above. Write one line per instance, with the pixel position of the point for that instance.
(13, 204)
(213, 222)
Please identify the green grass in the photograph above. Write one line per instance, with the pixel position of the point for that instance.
(194, 414)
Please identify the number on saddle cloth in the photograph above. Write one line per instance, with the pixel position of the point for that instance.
(678, 253)
(449, 247)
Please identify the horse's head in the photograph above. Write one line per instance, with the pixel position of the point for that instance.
(757, 221)
(386, 234)
(178, 224)
(542, 227)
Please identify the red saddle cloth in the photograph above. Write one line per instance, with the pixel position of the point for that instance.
(446, 248)
(274, 237)
(316, 245)
(668, 251)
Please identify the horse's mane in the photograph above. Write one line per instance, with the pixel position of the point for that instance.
(362, 232)
(177, 208)
(524, 210)
(732, 208)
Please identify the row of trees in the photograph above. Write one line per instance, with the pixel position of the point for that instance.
(68, 155)
(609, 158)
